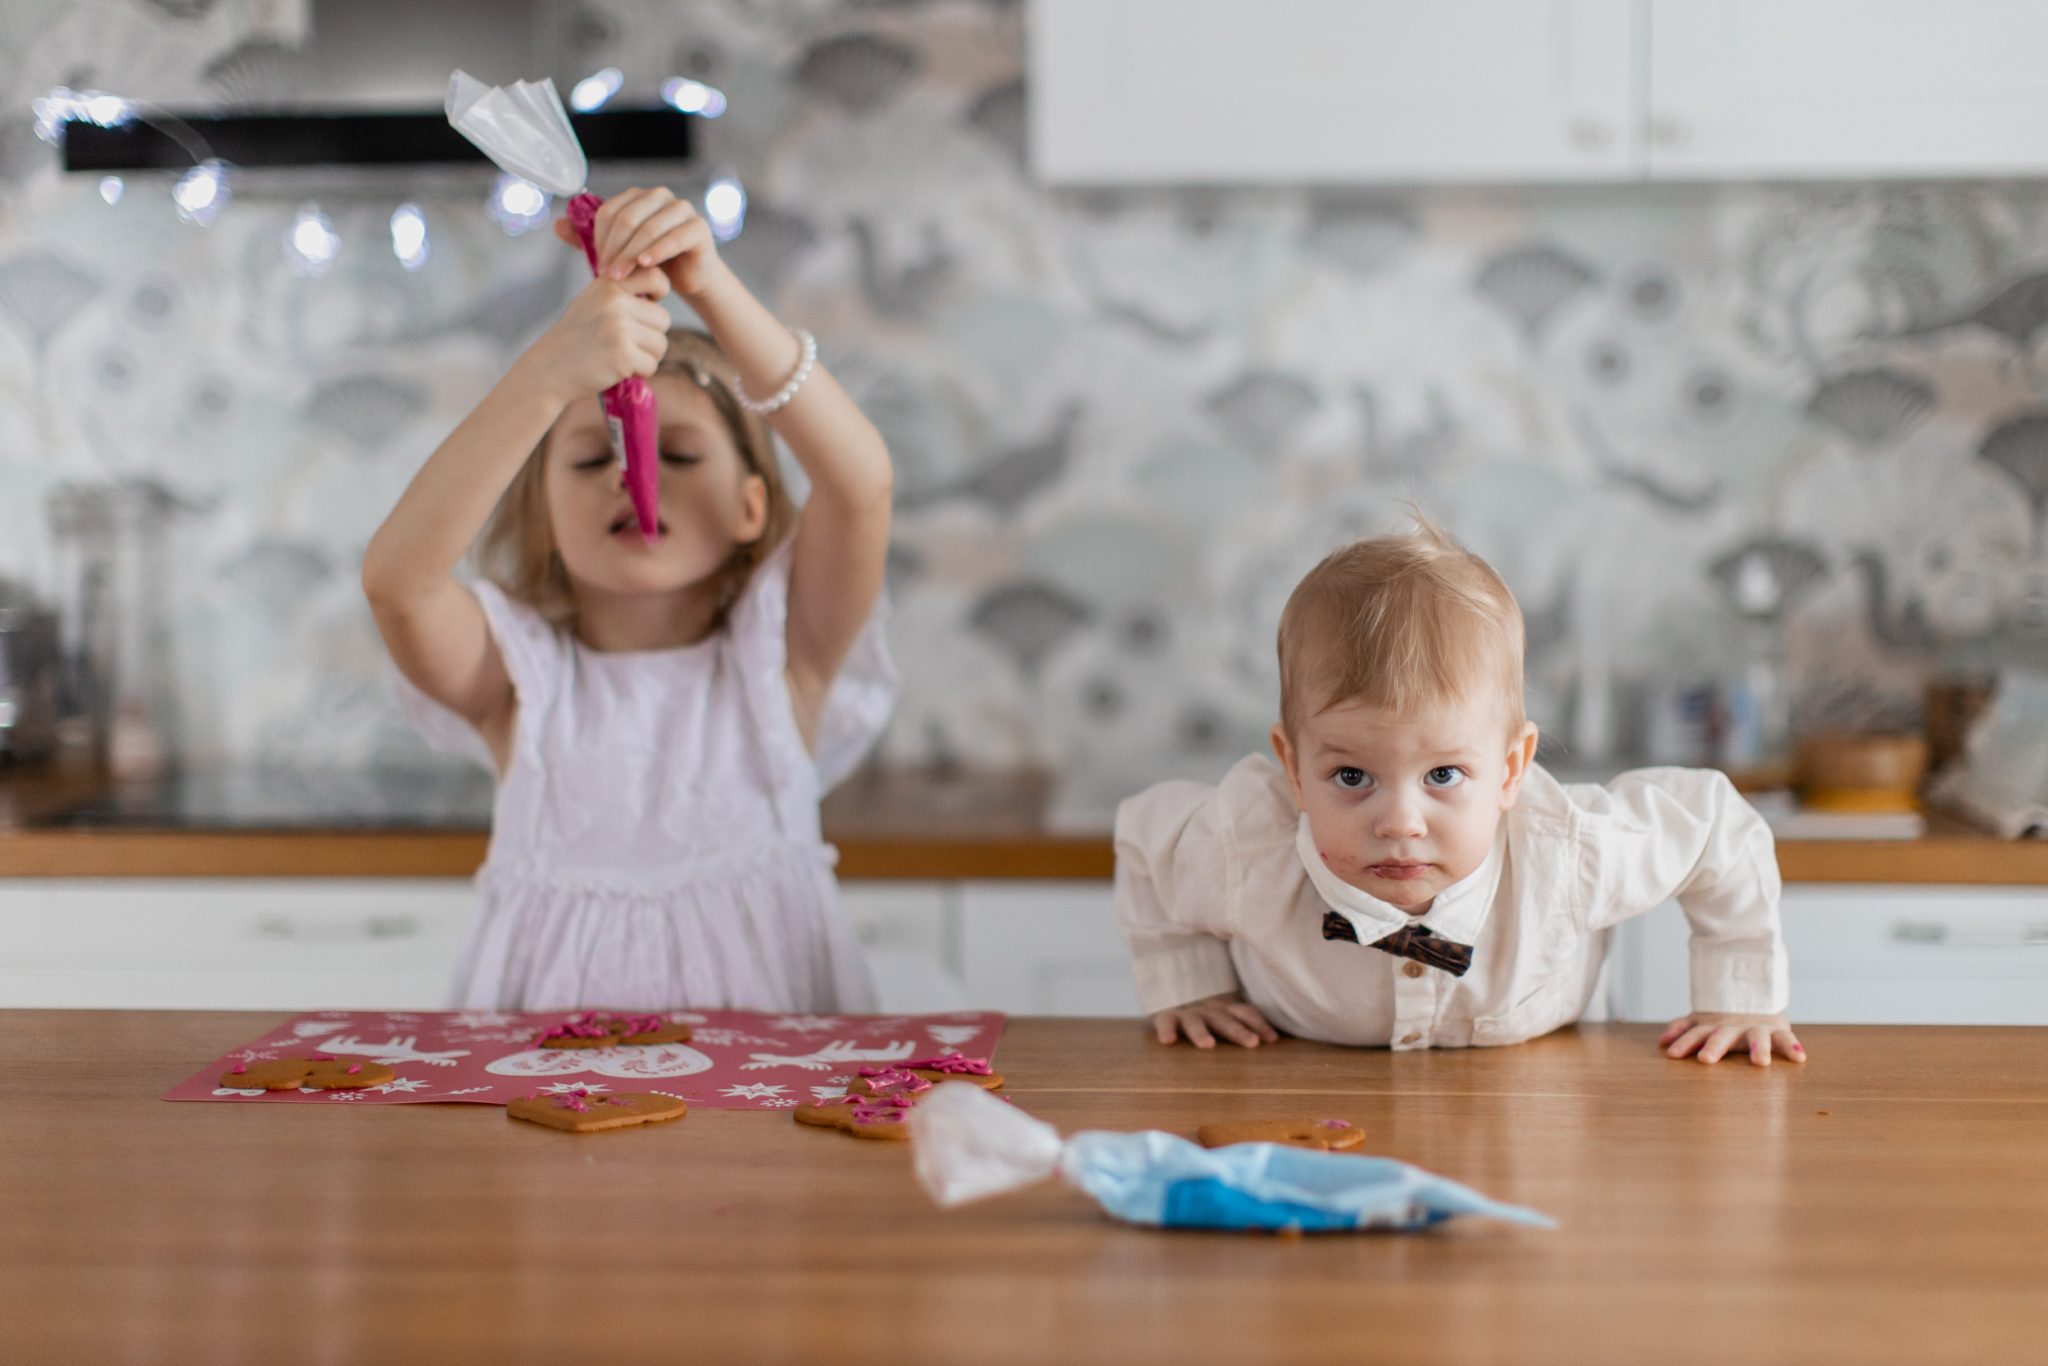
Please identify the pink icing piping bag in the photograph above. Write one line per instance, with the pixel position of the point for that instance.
(629, 404)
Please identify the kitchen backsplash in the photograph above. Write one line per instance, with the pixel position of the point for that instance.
(1124, 421)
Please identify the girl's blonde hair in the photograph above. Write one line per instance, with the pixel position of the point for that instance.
(1396, 622)
(517, 550)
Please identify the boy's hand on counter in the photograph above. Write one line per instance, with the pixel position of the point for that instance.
(1229, 1015)
(1709, 1035)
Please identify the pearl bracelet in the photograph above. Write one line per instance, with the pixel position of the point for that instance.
(776, 402)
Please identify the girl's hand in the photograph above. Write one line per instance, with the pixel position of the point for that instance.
(639, 228)
(608, 331)
(1230, 1015)
(1709, 1035)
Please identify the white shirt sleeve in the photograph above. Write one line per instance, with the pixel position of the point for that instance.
(1661, 833)
(1174, 888)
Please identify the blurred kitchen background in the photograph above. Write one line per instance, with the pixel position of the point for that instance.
(1713, 326)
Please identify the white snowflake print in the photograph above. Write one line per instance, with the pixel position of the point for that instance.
(807, 1024)
(479, 1019)
(400, 1015)
(254, 1054)
(828, 1092)
(953, 1035)
(344, 1095)
(841, 1081)
(780, 1101)
(405, 1084)
(309, 1029)
(755, 1091)
(563, 1088)
(469, 1091)
(236, 1091)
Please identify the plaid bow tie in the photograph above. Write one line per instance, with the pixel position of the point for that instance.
(1410, 941)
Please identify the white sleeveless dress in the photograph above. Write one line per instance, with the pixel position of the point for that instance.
(654, 840)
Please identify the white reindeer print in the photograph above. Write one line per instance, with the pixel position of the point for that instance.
(394, 1050)
(834, 1054)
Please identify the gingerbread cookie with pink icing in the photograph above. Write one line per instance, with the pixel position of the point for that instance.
(1323, 1135)
(583, 1111)
(956, 1067)
(315, 1072)
(862, 1116)
(603, 1029)
(888, 1081)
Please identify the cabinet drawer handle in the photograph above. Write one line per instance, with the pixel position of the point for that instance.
(337, 931)
(1931, 932)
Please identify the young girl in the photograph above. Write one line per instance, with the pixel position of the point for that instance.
(662, 716)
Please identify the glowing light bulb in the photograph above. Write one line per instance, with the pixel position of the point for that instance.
(593, 90)
(201, 193)
(310, 243)
(693, 97)
(725, 207)
(518, 205)
(409, 236)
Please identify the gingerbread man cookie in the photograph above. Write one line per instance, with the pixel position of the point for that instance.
(602, 1029)
(1324, 1135)
(955, 1067)
(316, 1072)
(583, 1111)
(861, 1116)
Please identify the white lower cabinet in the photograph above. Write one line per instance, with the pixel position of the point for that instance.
(1871, 955)
(1046, 948)
(910, 935)
(230, 944)
(1859, 955)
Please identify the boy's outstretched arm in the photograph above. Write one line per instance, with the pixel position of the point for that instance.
(1660, 834)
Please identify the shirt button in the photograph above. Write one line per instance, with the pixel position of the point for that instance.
(1410, 1038)
(1413, 969)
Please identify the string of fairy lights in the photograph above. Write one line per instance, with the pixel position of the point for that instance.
(310, 243)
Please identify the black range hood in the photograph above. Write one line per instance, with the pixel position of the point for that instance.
(248, 140)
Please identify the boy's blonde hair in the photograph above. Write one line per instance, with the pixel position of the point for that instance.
(517, 550)
(1397, 622)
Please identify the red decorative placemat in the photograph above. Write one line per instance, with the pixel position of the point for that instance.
(735, 1059)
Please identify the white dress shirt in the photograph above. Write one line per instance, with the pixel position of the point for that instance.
(1218, 888)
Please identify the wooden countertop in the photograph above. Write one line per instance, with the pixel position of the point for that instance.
(898, 826)
(1884, 1203)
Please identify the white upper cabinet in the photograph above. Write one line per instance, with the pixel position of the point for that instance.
(1186, 91)
(1799, 88)
(1307, 91)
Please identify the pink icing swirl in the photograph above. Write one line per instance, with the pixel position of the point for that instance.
(893, 1080)
(597, 1024)
(954, 1064)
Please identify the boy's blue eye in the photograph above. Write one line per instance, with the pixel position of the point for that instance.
(1446, 776)
(1350, 778)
